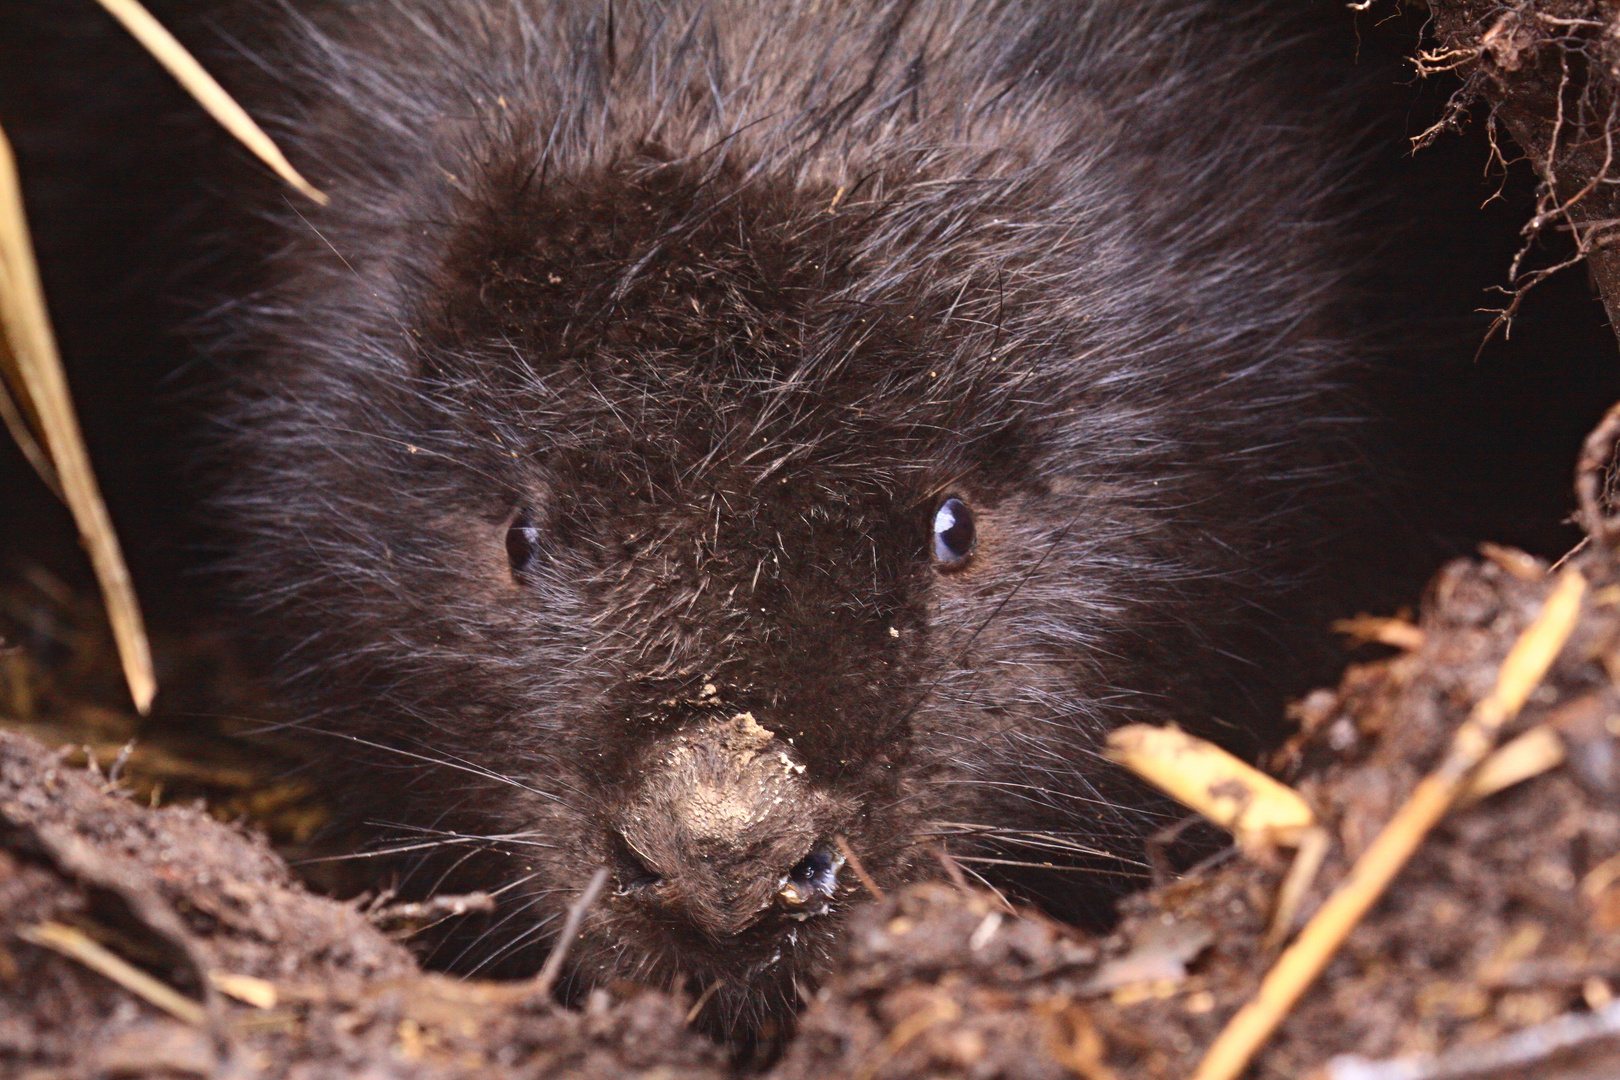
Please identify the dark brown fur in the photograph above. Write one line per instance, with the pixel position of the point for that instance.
(713, 303)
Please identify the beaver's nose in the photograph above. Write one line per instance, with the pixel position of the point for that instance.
(724, 829)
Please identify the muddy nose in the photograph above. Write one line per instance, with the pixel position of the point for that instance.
(725, 829)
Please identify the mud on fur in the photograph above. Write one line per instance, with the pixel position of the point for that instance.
(699, 431)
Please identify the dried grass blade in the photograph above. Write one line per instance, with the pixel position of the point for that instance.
(11, 412)
(74, 945)
(209, 94)
(42, 389)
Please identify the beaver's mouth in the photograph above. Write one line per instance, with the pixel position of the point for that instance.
(636, 946)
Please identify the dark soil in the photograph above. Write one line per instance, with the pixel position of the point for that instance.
(199, 905)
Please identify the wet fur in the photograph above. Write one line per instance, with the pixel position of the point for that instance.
(724, 297)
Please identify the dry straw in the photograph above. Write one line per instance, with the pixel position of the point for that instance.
(38, 410)
(73, 943)
(32, 368)
(209, 94)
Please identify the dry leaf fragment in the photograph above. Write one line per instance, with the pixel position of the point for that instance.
(245, 988)
(1531, 754)
(1259, 811)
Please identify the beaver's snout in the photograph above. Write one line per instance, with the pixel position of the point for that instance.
(725, 830)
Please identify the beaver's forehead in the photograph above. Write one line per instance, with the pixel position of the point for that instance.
(754, 280)
(805, 488)
(670, 406)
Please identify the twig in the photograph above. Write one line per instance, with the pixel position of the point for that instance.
(1257, 809)
(565, 940)
(855, 864)
(259, 993)
(1553, 20)
(1579, 547)
(437, 908)
(1531, 754)
(1526, 665)
(1312, 851)
(1435, 61)
(1397, 633)
(75, 945)
(21, 434)
(116, 769)
(703, 999)
(1524, 1053)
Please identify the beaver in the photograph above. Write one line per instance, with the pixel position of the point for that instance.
(716, 440)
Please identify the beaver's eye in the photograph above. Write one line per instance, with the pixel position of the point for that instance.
(522, 543)
(953, 533)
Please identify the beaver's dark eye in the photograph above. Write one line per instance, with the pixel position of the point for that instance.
(953, 533)
(522, 543)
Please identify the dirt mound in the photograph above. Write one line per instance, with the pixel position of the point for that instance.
(142, 942)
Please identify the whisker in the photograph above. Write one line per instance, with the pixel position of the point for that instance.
(1053, 841)
(506, 948)
(378, 853)
(1049, 793)
(445, 761)
(1055, 867)
(520, 838)
(510, 885)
